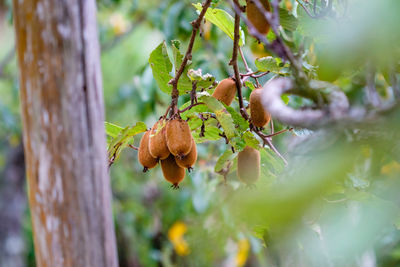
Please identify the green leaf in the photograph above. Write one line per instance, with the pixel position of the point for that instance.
(161, 66)
(249, 85)
(271, 163)
(267, 64)
(251, 140)
(223, 160)
(222, 20)
(184, 83)
(203, 81)
(238, 143)
(223, 117)
(242, 124)
(287, 20)
(211, 133)
(177, 55)
(112, 129)
(122, 140)
(194, 122)
(285, 98)
(192, 112)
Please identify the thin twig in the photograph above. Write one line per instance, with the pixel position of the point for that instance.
(193, 97)
(260, 75)
(244, 60)
(269, 143)
(233, 63)
(133, 147)
(191, 106)
(166, 112)
(279, 132)
(249, 73)
(188, 56)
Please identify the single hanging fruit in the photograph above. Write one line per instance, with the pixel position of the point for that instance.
(179, 137)
(248, 169)
(256, 17)
(225, 91)
(145, 158)
(171, 171)
(157, 142)
(190, 159)
(259, 116)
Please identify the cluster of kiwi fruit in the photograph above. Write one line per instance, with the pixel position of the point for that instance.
(171, 143)
(248, 169)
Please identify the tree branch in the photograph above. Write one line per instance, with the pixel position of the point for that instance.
(278, 47)
(188, 56)
(234, 64)
(338, 105)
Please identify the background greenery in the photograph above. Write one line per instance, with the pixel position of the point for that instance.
(335, 204)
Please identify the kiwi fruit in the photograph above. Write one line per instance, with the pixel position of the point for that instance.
(190, 159)
(256, 16)
(248, 168)
(179, 137)
(225, 91)
(157, 143)
(145, 158)
(259, 116)
(172, 172)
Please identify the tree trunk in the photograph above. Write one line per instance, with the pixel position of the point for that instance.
(64, 137)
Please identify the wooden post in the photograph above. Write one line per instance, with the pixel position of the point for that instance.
(64, 137)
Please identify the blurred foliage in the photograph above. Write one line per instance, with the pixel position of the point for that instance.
(335, 204)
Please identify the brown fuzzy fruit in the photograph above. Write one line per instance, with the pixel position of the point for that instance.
(172, 172)
(190, 159)
(259, 116)
(179, 137)
(225, 91)
(144, 156)
(157, 142)
(256, 17)
(248, 168)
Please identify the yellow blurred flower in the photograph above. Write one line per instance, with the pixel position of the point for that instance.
(118, 23)
(206, 30)
(243, 252)
(175, 235)
(289, 5)
(258, 50)
(391, 168)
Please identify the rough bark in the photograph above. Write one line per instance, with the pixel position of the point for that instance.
(12, 207)
(64, 139)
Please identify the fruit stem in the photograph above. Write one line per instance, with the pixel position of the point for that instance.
(133, 147)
